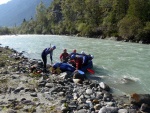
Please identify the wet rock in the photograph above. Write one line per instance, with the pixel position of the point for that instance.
(104, 86)
(139, 99)
(145, 108)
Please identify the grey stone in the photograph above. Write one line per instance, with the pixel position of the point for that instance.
(123, 111)
(33, 94)
(89, 91)
(108, 110)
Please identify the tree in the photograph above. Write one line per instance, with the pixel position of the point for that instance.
(144, 34)
(5, 31)
(118, 10)
(41, 17)
(140, 9)
(129, 27)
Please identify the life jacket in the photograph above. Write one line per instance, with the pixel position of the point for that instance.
(63, 56)
(78, 62)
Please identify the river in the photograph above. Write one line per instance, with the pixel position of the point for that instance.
(124, 66)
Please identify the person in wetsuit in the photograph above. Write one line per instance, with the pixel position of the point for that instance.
(44, 54)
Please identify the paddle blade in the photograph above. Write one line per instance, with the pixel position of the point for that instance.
(90, 71)
(81, 72)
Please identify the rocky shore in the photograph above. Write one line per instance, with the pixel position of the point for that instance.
(26, 89)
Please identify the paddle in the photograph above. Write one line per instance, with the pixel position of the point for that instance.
(90, 71)
(81, 72)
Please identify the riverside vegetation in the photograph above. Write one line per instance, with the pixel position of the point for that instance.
(126, 20)
(24, 90)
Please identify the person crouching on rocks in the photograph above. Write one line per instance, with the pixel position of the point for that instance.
(44, 54)
(63, 67)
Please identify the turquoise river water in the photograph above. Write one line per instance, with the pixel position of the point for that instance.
(125, 67)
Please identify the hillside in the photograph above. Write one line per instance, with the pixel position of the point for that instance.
(15, 11)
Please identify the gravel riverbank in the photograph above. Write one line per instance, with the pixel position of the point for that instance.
(24, 90)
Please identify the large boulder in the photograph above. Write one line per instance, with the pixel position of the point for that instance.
(104, 86)
(77, 77)
(139, 99)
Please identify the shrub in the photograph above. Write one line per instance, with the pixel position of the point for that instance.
(129, 27)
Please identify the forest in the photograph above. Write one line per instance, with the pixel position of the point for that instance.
(127, 20)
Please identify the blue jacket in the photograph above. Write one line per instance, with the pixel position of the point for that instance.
(47, 51)
(85, 59)
(64, 67)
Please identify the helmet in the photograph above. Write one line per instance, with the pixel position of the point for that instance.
(74, 50)
(54, 47)
(92, 56)
(82, 52)
(73, 56)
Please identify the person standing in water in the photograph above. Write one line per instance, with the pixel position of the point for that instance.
(44, 54)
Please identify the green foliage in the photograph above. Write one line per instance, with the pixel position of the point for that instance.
(140, 9)
(4, 30)
(144, 34)
(128, 19)
(129, 27)
(117, 10)
(82, 29)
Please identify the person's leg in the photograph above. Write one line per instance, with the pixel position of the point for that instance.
(44, 58)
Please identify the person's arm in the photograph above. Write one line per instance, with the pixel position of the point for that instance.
(51, 56)
(61, 57)
(83, 62)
